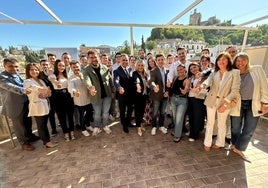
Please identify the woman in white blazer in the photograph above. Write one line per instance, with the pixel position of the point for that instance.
(38, 102)
(253, 103)
(224, 85)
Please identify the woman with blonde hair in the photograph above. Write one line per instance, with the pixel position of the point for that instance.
(140, 80)
(253, 103)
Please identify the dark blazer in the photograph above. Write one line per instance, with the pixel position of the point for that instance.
(121, 80)
(12, 95)
(46, 80)
(157, 79)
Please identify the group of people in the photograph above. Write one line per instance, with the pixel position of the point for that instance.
(90, 92)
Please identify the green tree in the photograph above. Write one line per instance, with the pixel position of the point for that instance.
(42, 54)
(126, 48)
(2, 52)
(150, 45)
(31, 57)
(143, 44)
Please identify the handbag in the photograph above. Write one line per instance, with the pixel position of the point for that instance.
(201, 94)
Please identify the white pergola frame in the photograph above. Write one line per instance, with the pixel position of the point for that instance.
(170, 24)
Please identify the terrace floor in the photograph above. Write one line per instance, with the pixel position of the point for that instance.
(129, 161)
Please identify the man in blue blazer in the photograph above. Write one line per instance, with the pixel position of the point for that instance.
(15, 103)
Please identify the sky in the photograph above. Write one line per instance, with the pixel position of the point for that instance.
(107, 11)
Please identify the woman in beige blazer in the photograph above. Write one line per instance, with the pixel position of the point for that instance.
(253, 103)
(224, 85)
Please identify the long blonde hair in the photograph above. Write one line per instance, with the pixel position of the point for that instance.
(144, 68)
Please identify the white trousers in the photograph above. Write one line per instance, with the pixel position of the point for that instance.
(221, 123)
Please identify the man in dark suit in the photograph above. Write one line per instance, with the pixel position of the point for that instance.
(159, 94)
(45, 68)
(15, 103)
(124, 92)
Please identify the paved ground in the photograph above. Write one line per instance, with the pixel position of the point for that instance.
(129, 161)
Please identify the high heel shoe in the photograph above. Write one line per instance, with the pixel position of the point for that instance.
(72, 137)
(67, 137)
(241, 154)
(177, 139)
(216, 147)
(139, 131)
(206, 148)
(50, 145)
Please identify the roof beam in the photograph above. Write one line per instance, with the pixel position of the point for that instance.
(253, 21)
(14, 19)
(102, 24)
(184, 12)
(43, 5)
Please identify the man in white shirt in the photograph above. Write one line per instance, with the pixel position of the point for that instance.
(80, 94)
(173, 68)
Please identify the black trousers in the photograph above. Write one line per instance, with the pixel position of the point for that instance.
(64, 107)
(126, 109)
(85, 114)
(139, 108)
(41, 122)
(197, 113)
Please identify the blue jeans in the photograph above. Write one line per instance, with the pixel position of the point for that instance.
(161, 107)
(101, 111)
(179, 107)
(241, 134)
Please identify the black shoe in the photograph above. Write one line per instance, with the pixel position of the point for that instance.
(132, 125)
(78, 127)
(228, 140)
(169, 116)
(34, 138)
(125, 130)
(170, 126)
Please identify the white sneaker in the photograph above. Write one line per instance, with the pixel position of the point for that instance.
(191, 140)
(85, 133)
(96, 131)
(153, 131)
(90, 128)
(111, 117)
(163, 129)
(107, 129)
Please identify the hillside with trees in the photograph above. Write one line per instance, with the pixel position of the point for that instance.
(212, 37)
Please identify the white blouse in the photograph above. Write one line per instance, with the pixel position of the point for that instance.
(62, 81)
(37, 106)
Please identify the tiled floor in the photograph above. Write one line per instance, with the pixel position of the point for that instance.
(129, 161)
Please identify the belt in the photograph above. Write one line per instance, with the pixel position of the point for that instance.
(61, 90)
(179, 96)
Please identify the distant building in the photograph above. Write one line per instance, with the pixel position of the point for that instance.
(195, 18)
(100, 50)
(59, 51)
(173, 44)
